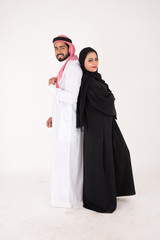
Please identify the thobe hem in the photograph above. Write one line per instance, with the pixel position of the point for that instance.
(61, 204)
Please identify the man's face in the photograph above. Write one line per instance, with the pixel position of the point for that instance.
(61, 51)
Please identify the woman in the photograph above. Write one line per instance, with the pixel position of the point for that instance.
(107, 165)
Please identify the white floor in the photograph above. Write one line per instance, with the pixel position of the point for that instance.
(26, 214)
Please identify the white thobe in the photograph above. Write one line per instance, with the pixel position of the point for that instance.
(67, 173)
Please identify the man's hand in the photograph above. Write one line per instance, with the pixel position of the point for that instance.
(52, 80)
(49, 122)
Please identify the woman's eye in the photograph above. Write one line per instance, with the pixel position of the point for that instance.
(96, 59)
(90, 60)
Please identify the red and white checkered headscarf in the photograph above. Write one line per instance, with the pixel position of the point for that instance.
(72, 56)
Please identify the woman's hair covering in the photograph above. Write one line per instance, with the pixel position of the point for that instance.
(81, 115)
(87, 79)
(82, 56)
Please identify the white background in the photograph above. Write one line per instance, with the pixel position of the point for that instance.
(126, 35)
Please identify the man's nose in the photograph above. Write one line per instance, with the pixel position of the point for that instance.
(59, 51)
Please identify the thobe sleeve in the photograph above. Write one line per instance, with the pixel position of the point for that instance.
(100, 98)
(72, 85)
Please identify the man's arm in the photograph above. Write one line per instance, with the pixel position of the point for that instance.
(49, 122)
(72, 85)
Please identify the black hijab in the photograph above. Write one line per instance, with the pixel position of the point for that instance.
(87, 77)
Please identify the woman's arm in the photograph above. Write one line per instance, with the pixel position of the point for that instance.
(100, 98)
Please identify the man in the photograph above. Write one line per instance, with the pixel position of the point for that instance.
(67, 178)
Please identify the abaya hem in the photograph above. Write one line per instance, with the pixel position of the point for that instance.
(98, 210)
(126, 194)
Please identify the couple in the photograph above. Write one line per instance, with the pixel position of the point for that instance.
(82, 100)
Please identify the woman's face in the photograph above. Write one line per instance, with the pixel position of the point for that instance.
(91, 62)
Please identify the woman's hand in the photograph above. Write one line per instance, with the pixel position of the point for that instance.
(52, 80)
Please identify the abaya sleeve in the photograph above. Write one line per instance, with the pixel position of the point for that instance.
(101, 98)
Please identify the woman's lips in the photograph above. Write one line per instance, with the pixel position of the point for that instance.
(94, 67)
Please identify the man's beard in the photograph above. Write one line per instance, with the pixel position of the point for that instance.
(62, 58)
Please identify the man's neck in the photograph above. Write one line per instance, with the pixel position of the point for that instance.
(63, 62)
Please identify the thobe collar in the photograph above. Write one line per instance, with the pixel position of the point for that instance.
(63, 62)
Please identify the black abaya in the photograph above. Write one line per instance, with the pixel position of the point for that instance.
(107, 164)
